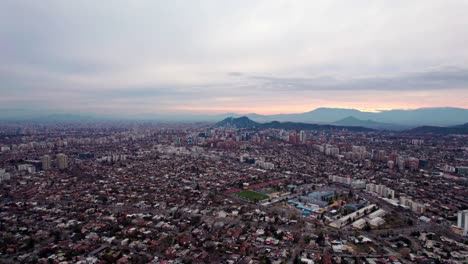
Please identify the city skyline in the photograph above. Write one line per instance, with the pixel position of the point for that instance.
(217, 57)
(238, 132)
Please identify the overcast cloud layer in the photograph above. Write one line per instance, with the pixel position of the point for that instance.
(138, 57)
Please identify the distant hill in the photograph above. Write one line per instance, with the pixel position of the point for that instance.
(349, 123)
(240, 122)
(459, 129)
(245, 122)
(352, 121)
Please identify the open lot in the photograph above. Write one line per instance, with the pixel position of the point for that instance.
(252, 196)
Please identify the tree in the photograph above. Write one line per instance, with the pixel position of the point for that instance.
(30, 243)
(320, 239)
(367, 227)
(405, 252)
(195, 220)
(265, 260)
(410, 221)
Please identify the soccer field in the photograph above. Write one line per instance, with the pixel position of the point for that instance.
(252, 196)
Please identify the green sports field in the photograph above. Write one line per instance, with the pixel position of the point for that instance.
(252, 196)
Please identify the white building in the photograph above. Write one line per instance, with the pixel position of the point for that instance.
(400, 163)
(359, 224)
(27, 167)
(62, 161)
(356, 184)
(4, 176)
(4, 148)
(46, 162)
(358, 149)
(378, 213)
(462, 170)
(381, 190)
(377, 221)
(448, 168)
(264, 164)
(331, 150)
(462, 221)
(302, 136)
(352, 216)
(414, 206)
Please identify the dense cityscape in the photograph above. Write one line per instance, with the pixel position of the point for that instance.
(234, 132)
(136, 192)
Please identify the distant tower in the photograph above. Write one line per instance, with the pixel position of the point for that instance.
(62, 161)
(46, 162)
(463, 221)
(302, 136)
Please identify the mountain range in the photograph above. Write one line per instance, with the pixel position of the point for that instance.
(245, 122)
(397, 119)
(352, 121)
(388, 119)
(459, 129)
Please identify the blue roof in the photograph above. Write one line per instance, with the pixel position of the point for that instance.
(307, 208)
(320, 194)
(293, 202)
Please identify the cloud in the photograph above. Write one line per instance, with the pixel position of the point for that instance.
(441, 79)
(234, 74)
(145, 56)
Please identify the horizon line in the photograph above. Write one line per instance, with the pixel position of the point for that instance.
(83, 113)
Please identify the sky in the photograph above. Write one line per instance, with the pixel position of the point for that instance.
(268, 57)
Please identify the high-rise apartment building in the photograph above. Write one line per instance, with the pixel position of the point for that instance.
(62, 161)
(462, 221)
(46, 162)
(302, 136)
